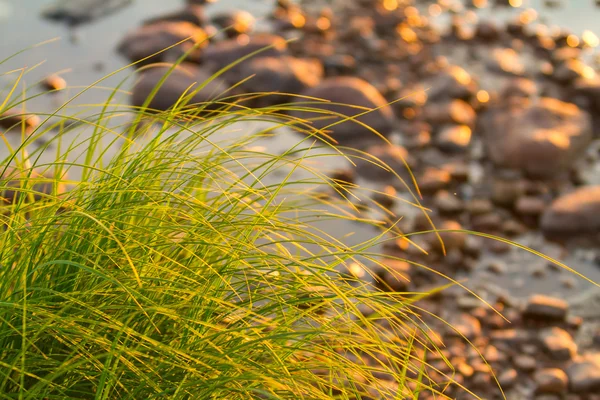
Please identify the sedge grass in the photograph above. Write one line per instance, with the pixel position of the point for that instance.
(177, 266)
(184, 262)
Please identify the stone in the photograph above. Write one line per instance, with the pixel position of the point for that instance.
(454, 139)
(520, 88)
(15, 119)
(143, 42)
(530, 206)
(389, 160)
(506, 61)
(453, 240)
(497, 267)
(540, 138)
(393, 275)
(226, 52)
(584, 374)
(447, 203)
(182, 80)
(77, 12)
(525, 363)
(193, 14)
(53, 83)
(432, 180)
(465, 325)
(43, 186)
(572, 215)
(452, 112)
(546, 308)
(551, 381)
(348, 97)
(285, 75)
(571, 70)
(487, 31)
(558, 343)
(236, 22)
(453, 83)
(508, 378)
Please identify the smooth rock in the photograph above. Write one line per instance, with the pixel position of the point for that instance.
(551, 381)
(506, 61)
(447, 203)
(286, 75)
(184, 79)
(236, 22)
(573, 215)
(540, 138)
(525, 363)
(76, 12)
(393, 275)
(530, 206)
(143, 42)
(193, 14)
(348, 97)
(508, 378)
(43, 185)
(558, 343)
(584, 374)
(222, 54)
(453, 83)
(14, 119)
(454, 139)
(465, 325)
(386, 161)
(54, 83)
(519, 87)
(453, 112)
(546, 308)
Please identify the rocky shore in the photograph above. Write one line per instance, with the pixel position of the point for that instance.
(500, 126)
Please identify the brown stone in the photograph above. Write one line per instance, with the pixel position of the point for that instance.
(551, 381)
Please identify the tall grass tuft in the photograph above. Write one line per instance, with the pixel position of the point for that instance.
(186, 264)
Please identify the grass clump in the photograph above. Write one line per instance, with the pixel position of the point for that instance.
(186, 265)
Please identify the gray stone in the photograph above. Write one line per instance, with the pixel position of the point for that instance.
(573, 215)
